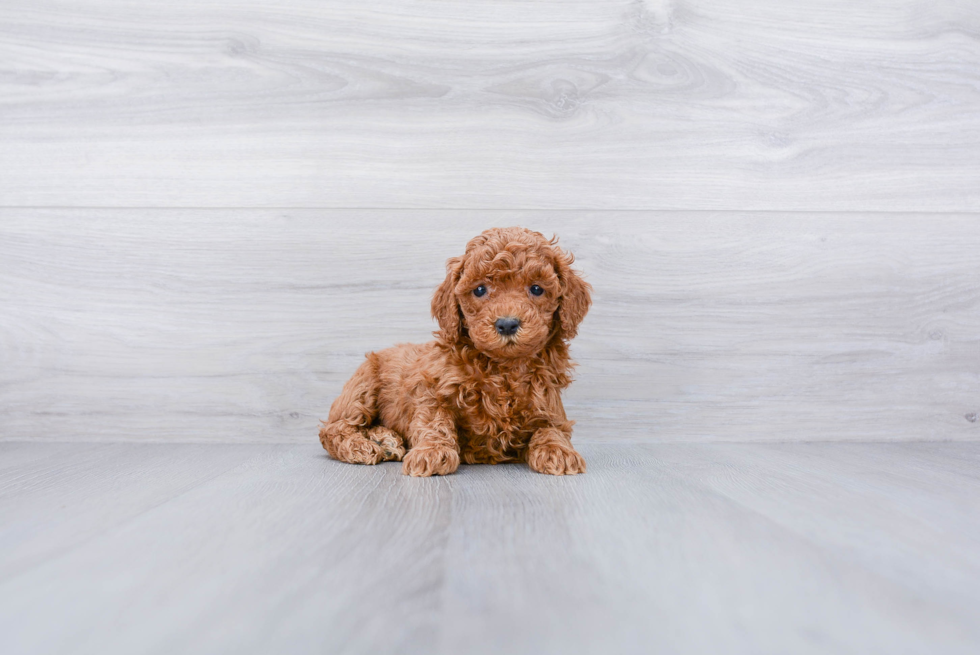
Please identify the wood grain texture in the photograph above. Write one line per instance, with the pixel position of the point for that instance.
(233, 325)
(672, 548)
(630, 104)
(53, 499)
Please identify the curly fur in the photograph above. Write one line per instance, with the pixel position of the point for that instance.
(473, 394)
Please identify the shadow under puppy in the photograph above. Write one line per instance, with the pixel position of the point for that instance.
(488, 389)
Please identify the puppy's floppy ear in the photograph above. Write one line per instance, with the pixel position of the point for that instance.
(445, 307)
(576, 295)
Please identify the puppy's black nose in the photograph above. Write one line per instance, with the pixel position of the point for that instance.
(507, 325)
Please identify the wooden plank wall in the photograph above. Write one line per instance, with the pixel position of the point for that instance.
(210, 210)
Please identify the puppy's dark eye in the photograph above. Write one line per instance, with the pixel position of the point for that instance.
(536, 290)
(480, 291)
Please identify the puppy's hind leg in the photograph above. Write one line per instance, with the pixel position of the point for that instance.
(391, 441)
(348, 434)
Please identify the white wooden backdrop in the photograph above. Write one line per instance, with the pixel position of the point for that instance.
(210, 209)
(241, 325)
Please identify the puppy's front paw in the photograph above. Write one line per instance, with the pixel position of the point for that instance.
(555, 459)
(423, 462)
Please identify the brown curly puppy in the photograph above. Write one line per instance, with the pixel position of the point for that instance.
(488, 389)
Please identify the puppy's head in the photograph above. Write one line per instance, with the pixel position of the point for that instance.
(511, 292)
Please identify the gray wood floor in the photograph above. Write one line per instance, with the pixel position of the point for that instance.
(666, 548)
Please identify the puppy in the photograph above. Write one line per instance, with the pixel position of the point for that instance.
(488, 389)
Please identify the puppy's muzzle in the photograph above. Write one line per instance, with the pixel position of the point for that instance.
(507, 326)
